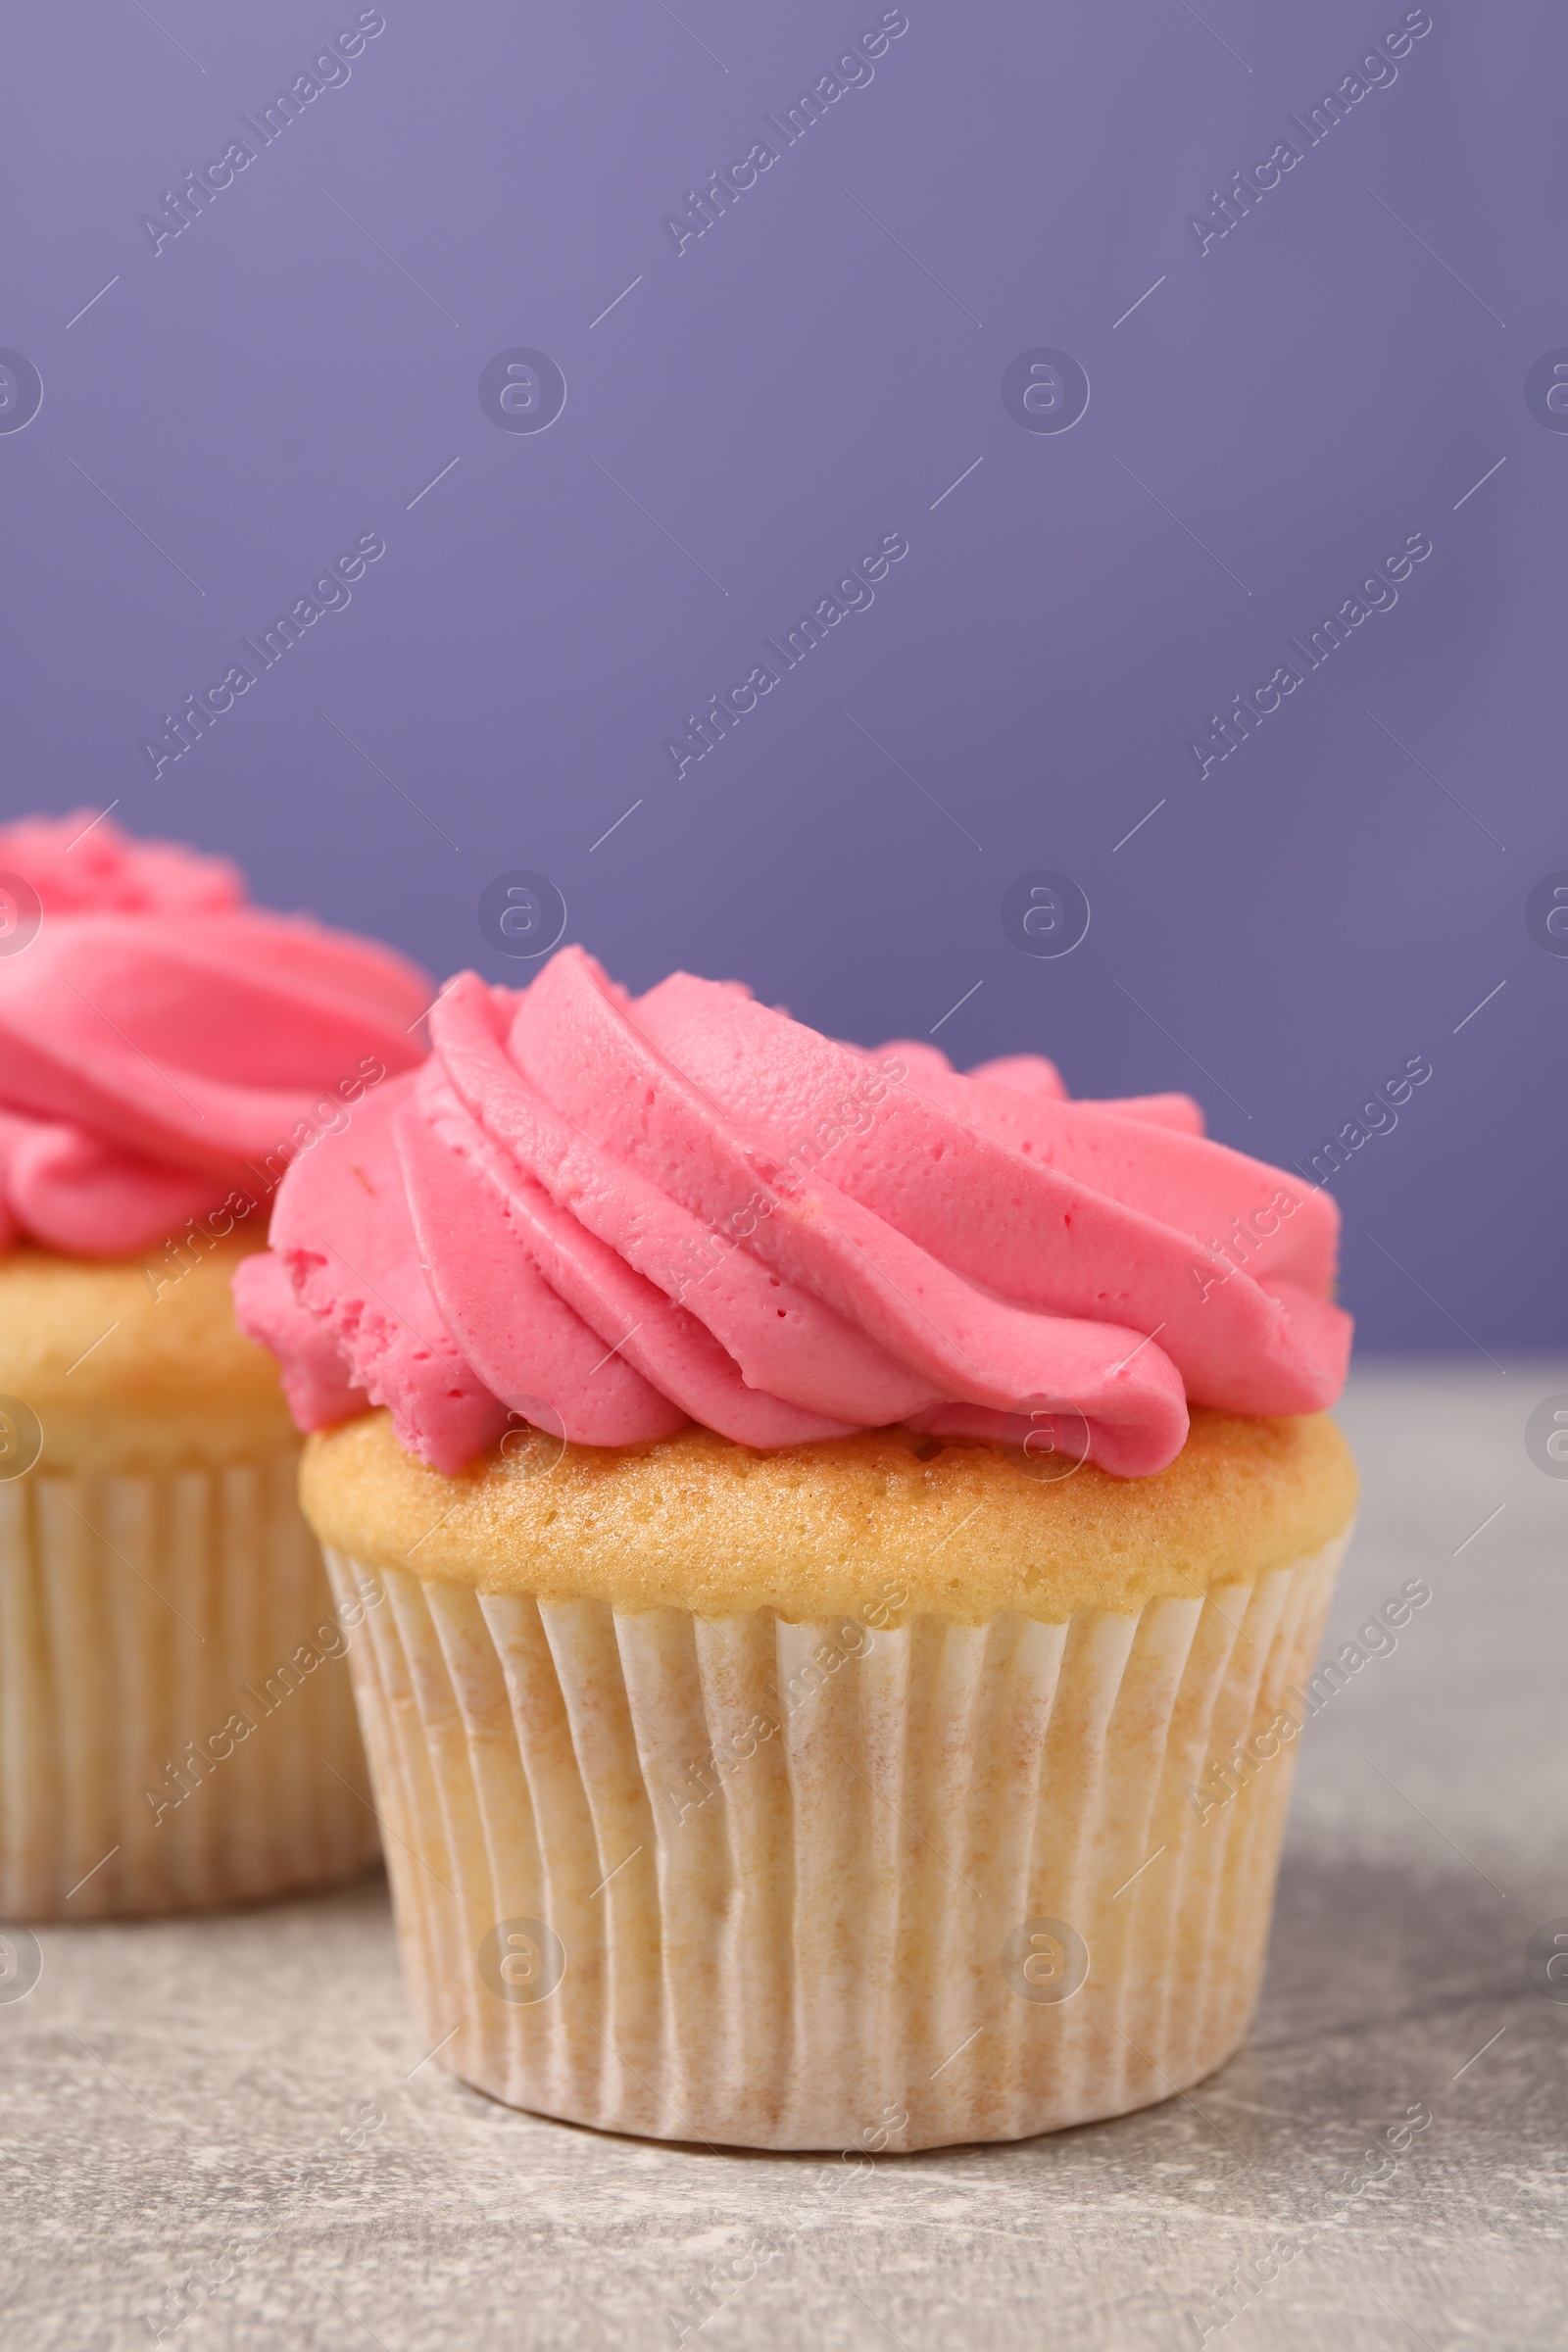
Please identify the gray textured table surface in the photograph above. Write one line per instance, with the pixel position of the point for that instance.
(164, 2084)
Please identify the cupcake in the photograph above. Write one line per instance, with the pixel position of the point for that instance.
(176, 1723)
(853, 1537)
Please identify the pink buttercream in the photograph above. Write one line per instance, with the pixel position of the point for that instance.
(83, 864)
(612, 1215)
(163, 1045)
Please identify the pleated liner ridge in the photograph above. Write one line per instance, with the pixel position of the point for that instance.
(856, 1937)
(146, 1621)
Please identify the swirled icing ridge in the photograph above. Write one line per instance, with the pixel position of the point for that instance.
(162, 1043)
(613, 1215)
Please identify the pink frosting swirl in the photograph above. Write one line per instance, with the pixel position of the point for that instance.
(612, 1215)
(161, 1043)
(83, 864)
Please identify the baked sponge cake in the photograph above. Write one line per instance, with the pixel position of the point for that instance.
(176, 1724)
(851, 1534)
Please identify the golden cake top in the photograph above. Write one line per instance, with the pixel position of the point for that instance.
(880, 1525)
(136, 1365)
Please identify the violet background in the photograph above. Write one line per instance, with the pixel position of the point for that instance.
(1276, 415)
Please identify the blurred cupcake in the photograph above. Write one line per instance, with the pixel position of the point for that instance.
(175, 1721)
(851, 1533)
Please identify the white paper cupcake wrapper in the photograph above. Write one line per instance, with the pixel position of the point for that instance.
(145, 1621)
(974, 1883)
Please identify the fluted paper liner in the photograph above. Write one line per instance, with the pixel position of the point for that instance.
(624, 1900)
(145, 1622)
